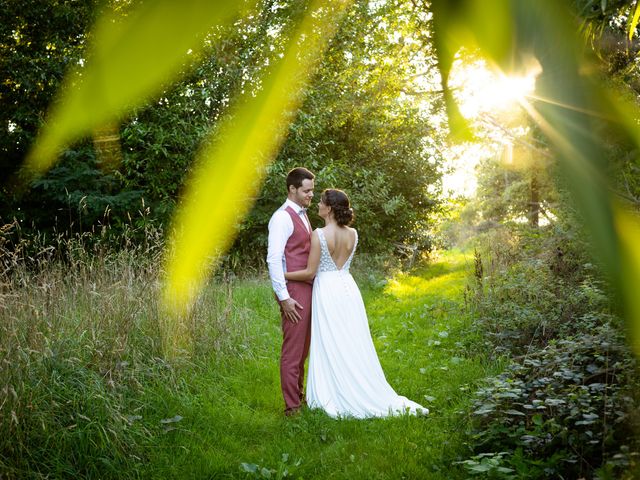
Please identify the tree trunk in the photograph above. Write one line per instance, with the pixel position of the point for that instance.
(534, 199)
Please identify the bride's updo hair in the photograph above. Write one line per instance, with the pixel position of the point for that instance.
(339, 203)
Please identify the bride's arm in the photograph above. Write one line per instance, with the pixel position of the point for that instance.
(312, 263)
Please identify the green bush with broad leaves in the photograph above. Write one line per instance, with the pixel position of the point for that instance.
(563, 410)
(565, 405)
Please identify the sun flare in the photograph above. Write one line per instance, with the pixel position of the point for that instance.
(484, 95)
(480, 89)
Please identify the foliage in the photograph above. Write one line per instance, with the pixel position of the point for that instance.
(565, 405)
(357, 133)
(79, 349)
(39, 41)
(562, 410)
(352, 130)
(598, 18)
(161, 139)
(77, 195)
(542, 33)
(506, 187)
(159, 37)
(534, 284)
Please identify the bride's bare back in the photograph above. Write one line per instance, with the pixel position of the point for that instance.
(340, 242)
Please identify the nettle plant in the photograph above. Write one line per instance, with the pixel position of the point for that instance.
(563, 410)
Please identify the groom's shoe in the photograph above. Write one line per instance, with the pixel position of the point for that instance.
(291, 412)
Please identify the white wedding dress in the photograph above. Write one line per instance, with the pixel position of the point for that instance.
(345, 377)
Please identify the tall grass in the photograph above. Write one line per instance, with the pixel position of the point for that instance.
(80, 340)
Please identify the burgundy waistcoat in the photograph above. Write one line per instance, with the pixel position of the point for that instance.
(296, 250)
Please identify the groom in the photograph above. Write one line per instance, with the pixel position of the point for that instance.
(289, 244)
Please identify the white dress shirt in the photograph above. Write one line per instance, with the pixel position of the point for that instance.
(280, 229)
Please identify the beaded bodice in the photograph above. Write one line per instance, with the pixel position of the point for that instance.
(326, 262)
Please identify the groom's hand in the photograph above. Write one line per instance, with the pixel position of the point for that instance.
(289, 308)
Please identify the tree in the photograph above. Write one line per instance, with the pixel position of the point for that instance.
(357, 128)
(518, 32)
(38, 42)
(359, 131)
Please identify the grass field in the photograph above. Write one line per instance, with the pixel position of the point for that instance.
(93, 398)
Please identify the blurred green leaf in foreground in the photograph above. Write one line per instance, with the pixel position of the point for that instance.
(132, 58)
(569, 105)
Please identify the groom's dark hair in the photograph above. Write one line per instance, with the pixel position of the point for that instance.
(296, 176)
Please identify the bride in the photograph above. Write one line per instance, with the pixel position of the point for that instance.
(345, 377)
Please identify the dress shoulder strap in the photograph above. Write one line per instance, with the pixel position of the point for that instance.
(324, 248)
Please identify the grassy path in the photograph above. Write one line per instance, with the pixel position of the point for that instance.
(232, 409)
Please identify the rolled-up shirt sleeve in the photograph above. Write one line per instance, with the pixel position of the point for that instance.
(280, 229)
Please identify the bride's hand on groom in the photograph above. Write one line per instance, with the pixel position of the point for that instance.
(289, 308)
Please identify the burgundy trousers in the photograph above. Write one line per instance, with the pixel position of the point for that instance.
(295, 346)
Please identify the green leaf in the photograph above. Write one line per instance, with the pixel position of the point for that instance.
(514, 412)
(481, 468)
(634, 20)
(230, 170)
(505, 470)
(249, 467)
(130, 61)
(485, 408)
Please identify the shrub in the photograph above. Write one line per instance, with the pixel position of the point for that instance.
(564, 407)
(560, 411)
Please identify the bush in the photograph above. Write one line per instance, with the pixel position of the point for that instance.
(560, 411)
(531, 286)
(564, 407)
